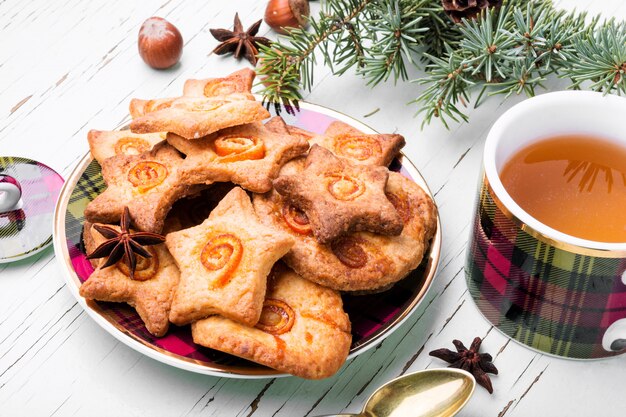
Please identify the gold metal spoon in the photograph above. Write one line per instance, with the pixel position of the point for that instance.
(429, 393)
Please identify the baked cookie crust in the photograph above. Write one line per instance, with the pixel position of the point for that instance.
(311, 340)
(152, 297)
(339, 197)
(105, 144)
(237, 82)
(225, 262)
(195, 117)
(148, 184)
(250, 155)
(139, 107)
(360, 261)
(350, 143)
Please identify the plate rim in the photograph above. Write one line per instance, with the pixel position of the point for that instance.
(59, 240)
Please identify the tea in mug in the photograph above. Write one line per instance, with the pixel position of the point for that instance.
(575, 184)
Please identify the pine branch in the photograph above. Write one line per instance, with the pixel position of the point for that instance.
(511, 50)
(378, 37)
(443, 33)
(601, 60)
(448, 83)
(395, 33)
(286, 67)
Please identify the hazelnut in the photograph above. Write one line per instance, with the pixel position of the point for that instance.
(160, 43)
(281, 14)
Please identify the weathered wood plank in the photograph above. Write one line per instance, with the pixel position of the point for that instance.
(70, 66)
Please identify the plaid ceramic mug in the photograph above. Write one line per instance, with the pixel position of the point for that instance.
(556, 293)
(10, 193)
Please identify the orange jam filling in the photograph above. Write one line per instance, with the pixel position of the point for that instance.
(276, 317)
(402, 205)
(158, 104)
(239, 148)
(360, 148)
(296, 219)
(145, 268)
(147, 174)
(222, 253)
(208, 105)
(219, 87)
(349, 250)
(345, 188)
(131, 146)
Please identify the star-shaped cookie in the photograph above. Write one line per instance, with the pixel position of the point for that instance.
(225, 262)
(150, 293)
(360, 261)
(339, 197)
(250, 155)
(347, 142)
(195, 117)
(303, 329)
(147, 183)
(105, 144)
(237, 82)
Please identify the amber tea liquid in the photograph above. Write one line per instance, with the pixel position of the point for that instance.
(575, 184)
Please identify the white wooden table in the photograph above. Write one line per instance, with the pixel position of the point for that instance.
(70, 66)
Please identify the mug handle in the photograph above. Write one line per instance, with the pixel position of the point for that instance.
(10, 193)
(614, 339)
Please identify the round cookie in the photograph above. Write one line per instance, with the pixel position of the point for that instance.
(361, 261)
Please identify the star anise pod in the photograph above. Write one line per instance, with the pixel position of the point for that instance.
(239, 41)
(477, 364)
(124, 244)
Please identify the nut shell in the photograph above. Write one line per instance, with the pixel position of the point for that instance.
(160, 43)
(281, 14)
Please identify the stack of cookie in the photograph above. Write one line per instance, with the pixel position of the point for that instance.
(264, 224)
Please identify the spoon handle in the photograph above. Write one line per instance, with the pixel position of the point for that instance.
(341, 415)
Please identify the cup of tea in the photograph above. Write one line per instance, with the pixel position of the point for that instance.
(10, 193)
(546, 262)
